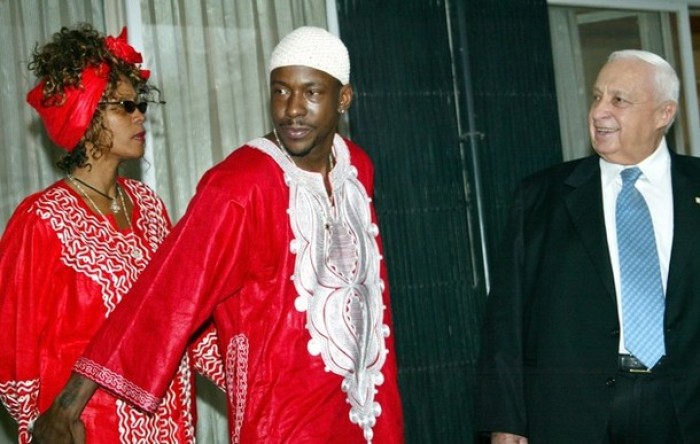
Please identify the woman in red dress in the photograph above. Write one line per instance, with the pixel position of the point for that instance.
(70, 252)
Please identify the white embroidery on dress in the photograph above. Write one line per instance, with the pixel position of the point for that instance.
(337, 276)
(237, 382)
(88, 241)
(187, 402)
(151, 221)
(208, 361)
(136, 427)
(20, 398)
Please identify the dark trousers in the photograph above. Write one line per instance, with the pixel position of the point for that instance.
(642, 410)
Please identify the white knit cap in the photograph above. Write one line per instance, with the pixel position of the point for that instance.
(313, 47)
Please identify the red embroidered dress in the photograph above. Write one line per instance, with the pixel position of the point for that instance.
(63, 270)
(296, 285)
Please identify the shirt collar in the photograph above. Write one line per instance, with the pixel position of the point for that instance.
(653, 167)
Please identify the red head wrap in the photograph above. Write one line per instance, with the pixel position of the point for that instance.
(67, 119)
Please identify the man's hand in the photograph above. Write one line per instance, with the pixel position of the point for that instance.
(507, 438)
(52, 427)
(61, 423)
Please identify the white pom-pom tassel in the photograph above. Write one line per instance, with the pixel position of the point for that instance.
(314, 347)
(301, 303)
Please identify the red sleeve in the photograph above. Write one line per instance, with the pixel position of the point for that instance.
(138, 349)
(27, 250)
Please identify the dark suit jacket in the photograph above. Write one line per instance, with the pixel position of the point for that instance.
(550, 338)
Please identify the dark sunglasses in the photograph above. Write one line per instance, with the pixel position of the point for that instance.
(129, 105)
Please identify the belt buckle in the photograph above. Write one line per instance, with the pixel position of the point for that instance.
(631, 364)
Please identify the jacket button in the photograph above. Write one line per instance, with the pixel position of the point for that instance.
(610, 382)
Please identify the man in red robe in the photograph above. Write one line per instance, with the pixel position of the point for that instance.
(280, 246)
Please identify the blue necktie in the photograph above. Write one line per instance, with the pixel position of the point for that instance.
(640, 276)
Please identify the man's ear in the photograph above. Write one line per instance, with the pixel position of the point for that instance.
(667, 111)
(345, 98)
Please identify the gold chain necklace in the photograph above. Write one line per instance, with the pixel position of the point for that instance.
(280, 145)
(135, 252)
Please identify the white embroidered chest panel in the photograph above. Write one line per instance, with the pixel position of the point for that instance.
(337, 277)
(97, 250)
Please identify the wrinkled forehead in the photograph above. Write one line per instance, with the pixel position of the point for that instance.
(626, 76)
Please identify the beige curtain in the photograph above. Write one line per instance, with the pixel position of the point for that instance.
(209, 58)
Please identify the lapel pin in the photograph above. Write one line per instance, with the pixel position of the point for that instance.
(697, 200)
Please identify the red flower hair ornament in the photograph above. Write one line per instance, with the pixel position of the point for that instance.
(66, 119)
(120, 48)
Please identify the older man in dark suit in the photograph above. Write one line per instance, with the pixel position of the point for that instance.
(592, 327)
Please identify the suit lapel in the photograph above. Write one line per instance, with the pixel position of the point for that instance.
(686, 222)
(585, 205)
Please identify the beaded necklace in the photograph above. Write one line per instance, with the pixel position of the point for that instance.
(114, 205)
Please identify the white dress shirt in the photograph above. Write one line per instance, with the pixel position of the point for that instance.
(655, 185)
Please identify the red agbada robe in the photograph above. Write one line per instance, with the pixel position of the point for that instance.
(296, 288)
(63, 270)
